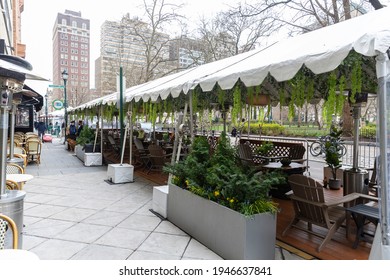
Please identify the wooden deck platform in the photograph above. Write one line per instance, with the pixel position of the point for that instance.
(339, 248)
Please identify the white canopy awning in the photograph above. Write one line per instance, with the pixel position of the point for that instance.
(321, 51)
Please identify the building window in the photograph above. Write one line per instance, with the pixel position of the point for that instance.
(74, 24)
(84, 25)
(63, 21)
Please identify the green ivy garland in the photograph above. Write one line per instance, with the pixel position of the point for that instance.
(237, 104)
(330, 104)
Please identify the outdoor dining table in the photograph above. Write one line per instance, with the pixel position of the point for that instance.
(293, 167)
(19, 178)
(360, 214)
(280, 191)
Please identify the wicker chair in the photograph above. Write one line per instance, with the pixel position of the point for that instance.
(14, 169)
(7, 223)
(34, 148)
(12, 185)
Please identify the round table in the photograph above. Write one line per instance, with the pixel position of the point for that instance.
(12, 254)
(19, 178)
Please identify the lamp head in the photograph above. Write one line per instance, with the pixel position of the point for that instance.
(64, 75)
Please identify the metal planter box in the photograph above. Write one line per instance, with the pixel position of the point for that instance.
(226, 232)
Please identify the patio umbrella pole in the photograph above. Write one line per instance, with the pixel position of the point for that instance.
(191, 117)
(130, 120)
(3, 137)
(384, 133)
(12, 132)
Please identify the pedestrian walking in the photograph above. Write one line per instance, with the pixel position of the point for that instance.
(41, 129)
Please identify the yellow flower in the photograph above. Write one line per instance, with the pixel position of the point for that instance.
(231, 200)
(216, 193)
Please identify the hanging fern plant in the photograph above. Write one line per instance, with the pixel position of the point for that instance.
(310, 90)
(237, 104)
(356, 77)
(340, 97)
(330, 104)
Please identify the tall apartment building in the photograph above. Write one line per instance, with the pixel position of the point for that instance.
(71, 52)
(187, 52)
(122, 44)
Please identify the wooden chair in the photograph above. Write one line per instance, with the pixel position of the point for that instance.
(33, 149)
(158, 158)
(311, 208)
(245, 154)
(372, 183)
(296, 153)
(143, 154)
(114, 146)
(7, 223)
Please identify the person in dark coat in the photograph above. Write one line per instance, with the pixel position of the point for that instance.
(72, 131)
(41, 129)
(80, 128)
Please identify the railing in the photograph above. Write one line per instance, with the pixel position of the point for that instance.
(367, 150)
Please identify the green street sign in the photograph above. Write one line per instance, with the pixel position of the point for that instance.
(56, 86)
(58, 104)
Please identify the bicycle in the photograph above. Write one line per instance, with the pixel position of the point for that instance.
(318, 147)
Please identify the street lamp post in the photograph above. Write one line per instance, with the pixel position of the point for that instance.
(65, 78)
(46, 96)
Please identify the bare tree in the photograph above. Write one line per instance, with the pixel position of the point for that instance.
(229, 33)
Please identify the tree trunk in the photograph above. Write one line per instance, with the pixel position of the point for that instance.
(347, 120)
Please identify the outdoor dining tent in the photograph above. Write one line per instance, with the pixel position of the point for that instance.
(321, 51)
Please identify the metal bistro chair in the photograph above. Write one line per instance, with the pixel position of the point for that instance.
(7, 223)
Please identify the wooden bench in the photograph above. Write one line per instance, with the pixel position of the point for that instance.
(294, 151)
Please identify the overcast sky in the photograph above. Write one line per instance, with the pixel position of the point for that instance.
(39, 16)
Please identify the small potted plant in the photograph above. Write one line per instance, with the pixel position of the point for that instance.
(264, 149)
(285, 161)
(333, 154)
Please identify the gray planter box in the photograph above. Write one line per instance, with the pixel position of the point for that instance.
(226, 232)
(89, 159)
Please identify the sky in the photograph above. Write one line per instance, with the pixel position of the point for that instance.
(39, 16)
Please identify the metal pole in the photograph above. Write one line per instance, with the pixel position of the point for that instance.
(46, 110)
(191, 117)
(65, 110)
(130, 116)
(3, 138)
(383, 134)
(12, 131)
(121, 105)
(356, 124)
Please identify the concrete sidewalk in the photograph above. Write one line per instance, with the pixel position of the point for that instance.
(72, 213)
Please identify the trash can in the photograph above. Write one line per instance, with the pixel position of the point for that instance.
(355, 180)
(11, 204)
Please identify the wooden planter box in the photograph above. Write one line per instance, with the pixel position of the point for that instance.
(228, 233)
